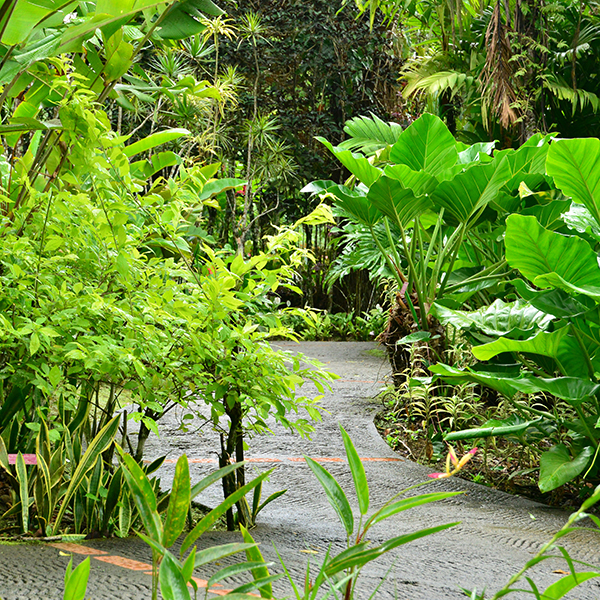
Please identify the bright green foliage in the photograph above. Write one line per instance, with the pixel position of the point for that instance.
(553, 334)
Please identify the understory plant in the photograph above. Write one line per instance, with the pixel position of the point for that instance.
(430, 212)
(547, 339)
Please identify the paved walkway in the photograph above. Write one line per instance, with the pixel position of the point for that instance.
(498, 532)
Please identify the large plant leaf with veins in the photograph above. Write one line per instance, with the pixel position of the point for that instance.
(426, 145)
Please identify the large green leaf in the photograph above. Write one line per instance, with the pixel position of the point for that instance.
(418, 181)
(358, 473)
(557, 467)
(185, 20)
(574, 166)
(579, 218)
(491, 431)
(357, 164)
(427, 145)
(369, 134)
(355, 203)
(572, 389)
(516, 320)
(471, 190)
(97, 446)
(396, 202)
(536, 252)
(334, 494)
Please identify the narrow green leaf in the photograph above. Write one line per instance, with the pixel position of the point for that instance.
(214, 477)
(143, 496)
(98, 445)
(76, 583)
(153, 140)
(179, 503)
(234, 570)
(210, 519)
(23, 491)
(172, 584)
(253, 554)
(215, 553)
(564, 585)
(334, 493)
(358, 473)
(408, 503)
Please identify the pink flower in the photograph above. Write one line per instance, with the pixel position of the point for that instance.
(458, 464)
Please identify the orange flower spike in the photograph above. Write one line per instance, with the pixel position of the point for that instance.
(452, 455)
(466, 458)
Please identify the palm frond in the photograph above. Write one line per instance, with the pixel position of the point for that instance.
(437, 83)
(577, 97)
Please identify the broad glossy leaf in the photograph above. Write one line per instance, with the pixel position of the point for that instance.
(558, 302)
(97, 446)
(358, 473)
(549, 215)
(369, 134)
(535, 251)
(526, 164)
(574, 166)
(557, 467)
(426, 145)
(334, 493)
(471, 153)
(356, 204)
(546, 344)
(516, 320)
(579, 218)
(396, 202)
(153, 140)
(418, 181)
(320, 186)
(179, 503)
(357, 164)
(471, 190)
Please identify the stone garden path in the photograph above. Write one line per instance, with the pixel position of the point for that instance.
(497, 535)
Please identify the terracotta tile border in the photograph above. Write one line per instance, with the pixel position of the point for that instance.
(128, 563)
(293, 459)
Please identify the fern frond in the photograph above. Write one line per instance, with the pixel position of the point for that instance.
(370, 134)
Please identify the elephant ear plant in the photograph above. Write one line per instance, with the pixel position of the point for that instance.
(429, 206)
(548, 340)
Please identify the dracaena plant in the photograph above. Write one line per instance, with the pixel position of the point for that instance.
(549, 339)
(431, 206)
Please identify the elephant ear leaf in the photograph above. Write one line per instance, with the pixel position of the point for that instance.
(355, 203)
(574, 166)
(558, 467)
(356, 163)
(427, 145)
(396, 202)
(550, 259)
